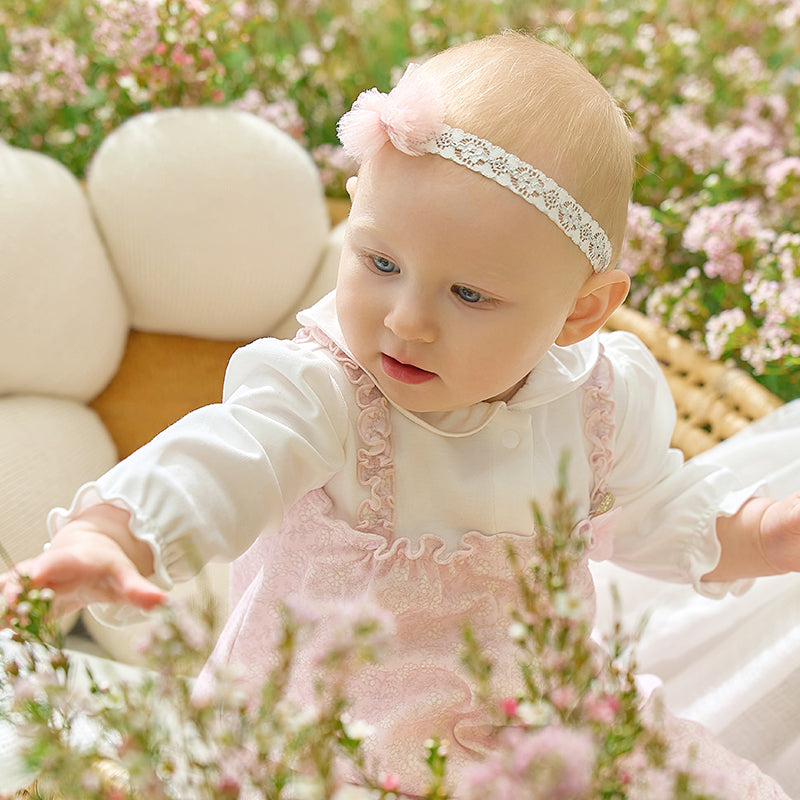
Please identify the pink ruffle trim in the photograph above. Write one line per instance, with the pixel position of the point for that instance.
(375, 460)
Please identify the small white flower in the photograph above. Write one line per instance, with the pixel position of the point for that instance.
(537, 714)
(357, 729)
(569, 605)
(304, 788)
(518, 631)
(127, 82)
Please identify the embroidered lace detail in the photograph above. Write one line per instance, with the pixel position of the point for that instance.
(531, 185)
(598, 411)
(375, 460)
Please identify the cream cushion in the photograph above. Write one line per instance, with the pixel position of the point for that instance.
(216, 220)
(211, 226)
(324, 280)
(64, 322)
(48, 448)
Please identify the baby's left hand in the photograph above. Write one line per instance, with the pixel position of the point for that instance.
(779, 534)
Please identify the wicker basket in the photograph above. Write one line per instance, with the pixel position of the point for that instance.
(112, 778)
(714, 401)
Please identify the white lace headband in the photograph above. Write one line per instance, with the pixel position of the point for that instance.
(411, 118)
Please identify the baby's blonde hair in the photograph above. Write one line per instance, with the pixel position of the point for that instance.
(543, 105)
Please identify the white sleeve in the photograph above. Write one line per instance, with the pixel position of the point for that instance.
(209, 484)
(666, 526)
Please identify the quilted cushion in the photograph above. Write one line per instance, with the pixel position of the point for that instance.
(64, 322)
(48, 448)
(215, 219)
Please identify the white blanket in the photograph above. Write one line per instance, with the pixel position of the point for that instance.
(731, 664)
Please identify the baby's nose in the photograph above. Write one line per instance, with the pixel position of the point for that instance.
(412, 318)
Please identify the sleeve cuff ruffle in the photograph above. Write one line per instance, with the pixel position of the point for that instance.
(707, 557)
(91, 494)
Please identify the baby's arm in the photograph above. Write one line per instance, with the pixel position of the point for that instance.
(94, 558)
(205, 487)
(762, 538)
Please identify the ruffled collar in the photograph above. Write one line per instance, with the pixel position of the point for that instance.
(561, 371)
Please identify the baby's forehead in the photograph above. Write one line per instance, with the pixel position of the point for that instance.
(426, 203)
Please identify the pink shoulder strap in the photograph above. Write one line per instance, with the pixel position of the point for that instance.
(375, 465)
(598, 409)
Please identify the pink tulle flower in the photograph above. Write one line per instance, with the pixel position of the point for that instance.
(409, 117)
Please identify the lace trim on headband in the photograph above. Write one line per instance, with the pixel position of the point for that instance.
(411, 117)
(530, 184)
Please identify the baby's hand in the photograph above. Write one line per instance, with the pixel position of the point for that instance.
(780, 534)
(92, 559)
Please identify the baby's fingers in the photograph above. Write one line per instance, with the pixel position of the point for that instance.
(10, 588)
(121, 584)
(138, 591)
(80, 577)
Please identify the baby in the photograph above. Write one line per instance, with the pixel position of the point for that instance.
(391, 451)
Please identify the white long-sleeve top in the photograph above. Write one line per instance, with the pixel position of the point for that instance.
(214, 481)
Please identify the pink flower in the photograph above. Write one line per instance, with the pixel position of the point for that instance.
(197, 7)
(126, 32)
(509, 706)
(727, 266)
(778, 173)
(228, 786)
(555, 763)
(563, 697)
(603, 708)
(46, 66)
(645, 242)
(180, 57)
(683, 132)
(390, 783)
(719, 231)
(281, 113)
(746, 142)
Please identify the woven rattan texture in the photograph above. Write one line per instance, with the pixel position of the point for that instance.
(714, 401)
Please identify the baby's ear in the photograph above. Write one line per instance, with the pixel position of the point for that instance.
(350, 185)
(597, 300)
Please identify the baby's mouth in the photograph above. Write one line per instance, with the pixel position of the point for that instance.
(405, 373)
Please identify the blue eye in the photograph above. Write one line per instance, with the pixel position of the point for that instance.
(384, 265)
(468, 295)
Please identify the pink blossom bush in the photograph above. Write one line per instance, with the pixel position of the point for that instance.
(552, 763)
(579, 731)
(713, 98)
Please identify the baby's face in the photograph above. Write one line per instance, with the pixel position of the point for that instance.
(450, 288)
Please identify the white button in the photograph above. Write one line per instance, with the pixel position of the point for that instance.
(510, 439)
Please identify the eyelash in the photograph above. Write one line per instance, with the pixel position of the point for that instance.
(476, 298)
